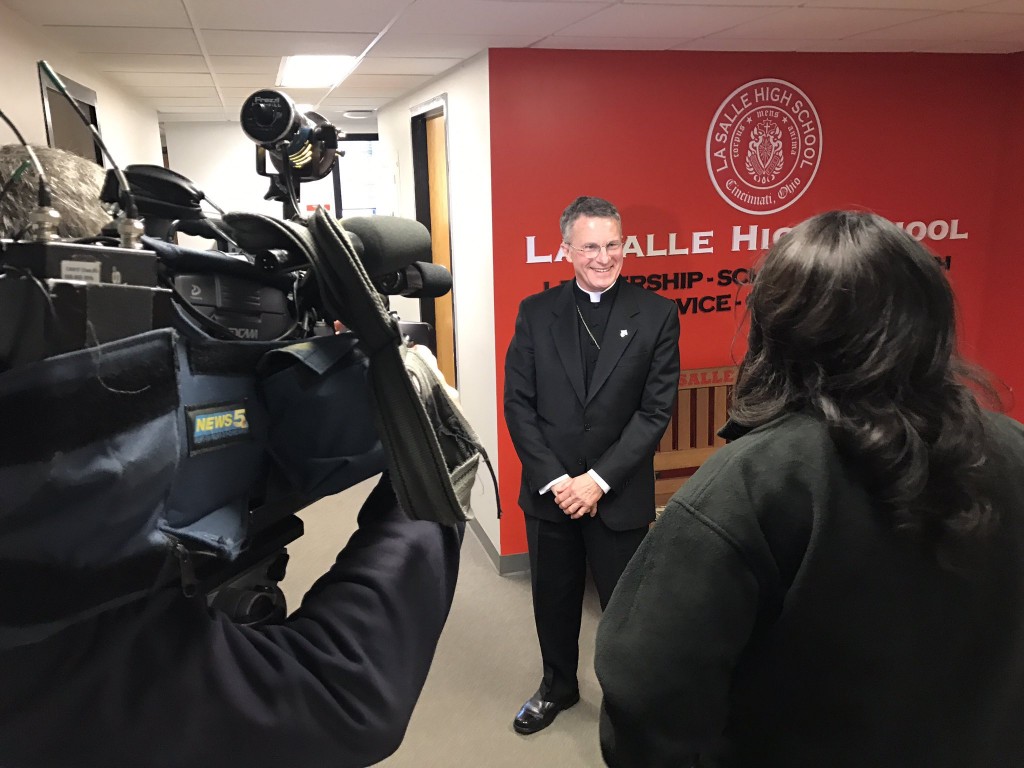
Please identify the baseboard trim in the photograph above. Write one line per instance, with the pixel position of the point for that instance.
(503, 564)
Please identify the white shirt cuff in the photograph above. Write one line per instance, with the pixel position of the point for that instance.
(599, 480)
(556, 481)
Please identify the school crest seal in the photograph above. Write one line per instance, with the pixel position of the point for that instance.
(764, 146)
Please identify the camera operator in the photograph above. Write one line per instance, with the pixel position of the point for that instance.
(165, 681)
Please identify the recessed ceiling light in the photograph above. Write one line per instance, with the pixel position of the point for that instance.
(357, 114)
(314, 71)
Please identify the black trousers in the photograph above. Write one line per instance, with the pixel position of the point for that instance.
(559, 553)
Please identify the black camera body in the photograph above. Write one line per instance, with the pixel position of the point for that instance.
(212, 380)
(61, 296)
(73, 312)
(58, 297)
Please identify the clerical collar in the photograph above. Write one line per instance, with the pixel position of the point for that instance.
(595, 296)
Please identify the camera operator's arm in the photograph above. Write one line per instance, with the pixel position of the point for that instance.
(354, 657)
(167, 683)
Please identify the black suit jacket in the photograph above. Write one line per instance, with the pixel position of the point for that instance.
(559, 427)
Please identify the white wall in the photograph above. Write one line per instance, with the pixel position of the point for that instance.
(221, 161)
(467, 93)
(128, 127)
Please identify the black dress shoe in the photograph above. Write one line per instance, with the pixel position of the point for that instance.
(538, 713)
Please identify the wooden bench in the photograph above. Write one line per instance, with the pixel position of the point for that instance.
(701, 410)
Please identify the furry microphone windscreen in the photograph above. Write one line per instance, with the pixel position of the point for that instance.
(74, 184)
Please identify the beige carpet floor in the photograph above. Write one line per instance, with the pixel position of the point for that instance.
(487, 661)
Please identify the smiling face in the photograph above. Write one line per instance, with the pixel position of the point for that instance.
(599, 271)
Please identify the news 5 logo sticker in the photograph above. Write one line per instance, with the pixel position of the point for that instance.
(216, 425)
(764, 146)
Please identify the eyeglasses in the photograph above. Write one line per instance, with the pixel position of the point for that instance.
(591, 250)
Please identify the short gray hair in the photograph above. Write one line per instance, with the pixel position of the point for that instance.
(592, 207)
(75, 185)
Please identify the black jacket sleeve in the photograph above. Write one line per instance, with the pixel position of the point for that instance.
(646, 426)
(169, 683)
(669, 640)
(520, 400)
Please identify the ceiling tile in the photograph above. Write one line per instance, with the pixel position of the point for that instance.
(383, 65)
(122, 40)
(953, 27)
(126, 13)
(740, 44)
(1003, 6)
(822, 23)
(237, 93)
(252, 81)
(903, 45)
(863, 45)
(351, 103)
(310, 15)
(164, 92)
(907, 5)
(609, 43)
(172, 79)
(194, 110)
(386, 81)
(713, 4)
(973, 46)
(355, 91)
(193, 117)
(238, 43)
(233, 104)
(793, 44)
(447, 46)
(240, 65)
(483, 17)
(146, 62)
(153, 53)
(185, 102)
(234, 101)
(657, 20)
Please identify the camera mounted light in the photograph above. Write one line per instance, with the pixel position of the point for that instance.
(302, 145)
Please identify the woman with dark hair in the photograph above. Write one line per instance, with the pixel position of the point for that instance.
(842, 585)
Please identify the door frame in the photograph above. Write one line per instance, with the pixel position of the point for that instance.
(419, 115)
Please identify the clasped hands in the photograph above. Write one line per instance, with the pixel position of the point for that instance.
(578, 496)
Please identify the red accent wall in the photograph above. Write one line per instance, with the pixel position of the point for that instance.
(999, 343)
(922, 138)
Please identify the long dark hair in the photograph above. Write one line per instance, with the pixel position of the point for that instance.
(853, 319)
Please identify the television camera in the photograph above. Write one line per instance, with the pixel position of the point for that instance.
(113, 317)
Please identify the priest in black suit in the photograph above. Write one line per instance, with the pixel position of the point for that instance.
(590, 381)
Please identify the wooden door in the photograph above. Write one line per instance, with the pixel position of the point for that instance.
(440, 238)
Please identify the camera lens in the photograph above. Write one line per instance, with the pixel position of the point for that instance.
(264, 115)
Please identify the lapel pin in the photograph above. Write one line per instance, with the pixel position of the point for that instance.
(623, 333)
